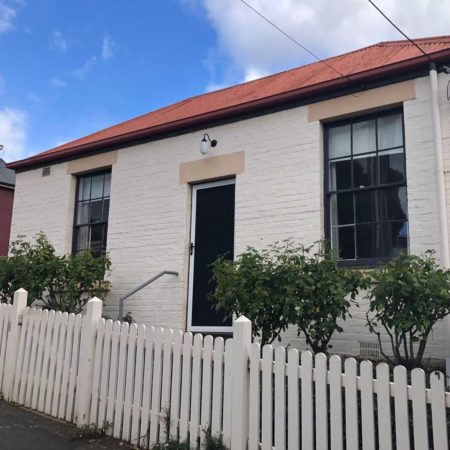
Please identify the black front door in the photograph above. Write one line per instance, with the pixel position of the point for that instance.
(212, 235)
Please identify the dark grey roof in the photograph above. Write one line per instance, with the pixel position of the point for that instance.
(7, 176)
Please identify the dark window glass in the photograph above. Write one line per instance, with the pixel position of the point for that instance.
(92, 209)
(367, 196)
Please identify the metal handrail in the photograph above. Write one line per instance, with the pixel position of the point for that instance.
(159, 275)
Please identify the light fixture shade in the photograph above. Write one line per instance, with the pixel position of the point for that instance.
(204, 146)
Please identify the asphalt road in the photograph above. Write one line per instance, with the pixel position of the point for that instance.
(21, 429)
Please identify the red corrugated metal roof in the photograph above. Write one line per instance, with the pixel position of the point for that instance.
(379, 60)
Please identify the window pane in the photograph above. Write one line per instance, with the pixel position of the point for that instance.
(97, 186)
(364, 137)
(392, 166)
(105, 210)
(364, 171)
(390, 131)
(83, 213)
(395, 238)
(343, 242)
(107, 188)
(96, 211)
(344, 204)
(340, 174)
(97, 239)
(366, 206)
(339, 141)
(393, 204)
(82, 238)
(84, 190)
(367, 241)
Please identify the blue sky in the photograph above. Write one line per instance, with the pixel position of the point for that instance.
(69, 68)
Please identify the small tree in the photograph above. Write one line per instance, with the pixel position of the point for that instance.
(64, 283)
(256, 285)
(324, 294)
(409, 295)
(287, 284)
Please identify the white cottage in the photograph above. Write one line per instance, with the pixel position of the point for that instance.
(362, 159)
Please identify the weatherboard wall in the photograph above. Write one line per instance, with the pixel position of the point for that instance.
(278, 195)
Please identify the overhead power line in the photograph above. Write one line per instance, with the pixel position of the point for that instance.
(296, 42)
(400, 31)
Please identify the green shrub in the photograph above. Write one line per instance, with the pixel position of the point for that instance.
(287, 284)
(64, 283)
(409, 295)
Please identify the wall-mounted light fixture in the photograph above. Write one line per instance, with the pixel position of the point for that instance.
(206, 143)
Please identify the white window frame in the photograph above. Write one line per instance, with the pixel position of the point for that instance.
(190, 327)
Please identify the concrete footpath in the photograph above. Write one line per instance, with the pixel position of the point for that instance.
(21, 429)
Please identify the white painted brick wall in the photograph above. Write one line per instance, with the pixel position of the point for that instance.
(280, 195)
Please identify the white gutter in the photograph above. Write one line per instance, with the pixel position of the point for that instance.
(441, 198)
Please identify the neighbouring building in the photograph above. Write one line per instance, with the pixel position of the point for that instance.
(361, 159)
(7, 182)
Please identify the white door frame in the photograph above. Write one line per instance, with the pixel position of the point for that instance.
(195, 189)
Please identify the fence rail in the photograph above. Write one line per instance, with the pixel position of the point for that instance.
(145, 385)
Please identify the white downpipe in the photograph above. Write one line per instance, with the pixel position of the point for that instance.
(442, 203)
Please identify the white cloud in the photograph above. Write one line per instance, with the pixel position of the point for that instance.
(109, 47)
(327, 27)
(59, 41)
(57, 82)
(81, 72)
(8, 12)
(13, 133)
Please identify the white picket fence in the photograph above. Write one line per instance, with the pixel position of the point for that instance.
(145, 384)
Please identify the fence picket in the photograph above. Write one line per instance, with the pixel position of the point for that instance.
(104, 376)
(98, 356)
(293, 403)
(39, 358)
(336, 428)
(156, 388)
(384, 407)
(438, 411)
(176, 384)
(367, 406)
(112, 385)
(419, 406)
(227, 391)
(217, 394)
(306, 373)
(20, 357)
(280, 399)
(147, 389)
(32, 366)
(4, 325)
(52, 367)
(121, 374)
(70, 410)
(255, 397)
(138, 384)
(267, 398)
(195, 390)
(351, 404)
(165, 388)
(185, 386)
(206, 389)
(45, 360)
(59, 363)
(401, 408)
(321, 390)
(27, 356)
(129, 384)
(66, 366)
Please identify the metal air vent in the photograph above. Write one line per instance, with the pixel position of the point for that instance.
(369, 349)
(46, 171)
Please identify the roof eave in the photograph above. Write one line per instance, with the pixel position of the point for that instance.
(313, 91)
